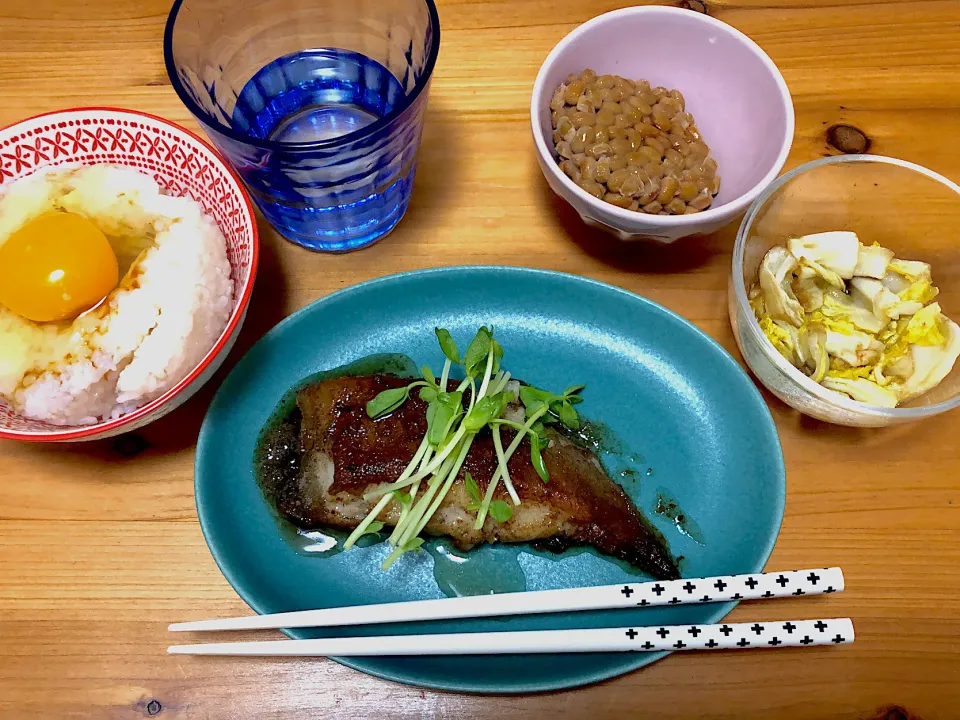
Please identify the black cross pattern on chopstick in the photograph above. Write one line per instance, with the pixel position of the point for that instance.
(728, 588)
(740, 635)
(731, 587)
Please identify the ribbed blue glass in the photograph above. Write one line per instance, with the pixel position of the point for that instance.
(318, 105)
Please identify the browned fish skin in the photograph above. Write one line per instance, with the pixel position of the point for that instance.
(346, 454)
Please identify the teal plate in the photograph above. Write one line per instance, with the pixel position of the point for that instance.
(692, 421)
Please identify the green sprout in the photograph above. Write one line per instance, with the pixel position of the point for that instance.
(456, 412)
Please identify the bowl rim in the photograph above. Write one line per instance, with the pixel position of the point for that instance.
(753, 327)
(74, 432)
(284, 146)
(719, 212)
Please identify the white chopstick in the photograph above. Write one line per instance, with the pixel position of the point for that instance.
(732, 636)
(721, 588)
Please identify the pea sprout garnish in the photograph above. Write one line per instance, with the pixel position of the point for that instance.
(452, 425)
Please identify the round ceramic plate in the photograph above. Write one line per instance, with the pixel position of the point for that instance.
(690, 424)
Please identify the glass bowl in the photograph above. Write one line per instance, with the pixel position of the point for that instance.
(905, 207)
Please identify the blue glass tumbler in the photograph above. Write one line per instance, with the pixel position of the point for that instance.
(318, 105)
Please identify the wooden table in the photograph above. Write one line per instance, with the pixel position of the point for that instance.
(99, 543)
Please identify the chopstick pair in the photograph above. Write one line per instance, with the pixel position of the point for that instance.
(756, 586)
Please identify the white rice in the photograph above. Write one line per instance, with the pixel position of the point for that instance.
(166, 314)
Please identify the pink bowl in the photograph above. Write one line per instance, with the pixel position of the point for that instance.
(734, 91)
(180, 162)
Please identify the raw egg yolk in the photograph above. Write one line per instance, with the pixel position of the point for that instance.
(55, 267)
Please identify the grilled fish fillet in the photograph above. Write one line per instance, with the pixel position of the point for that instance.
(339, 454)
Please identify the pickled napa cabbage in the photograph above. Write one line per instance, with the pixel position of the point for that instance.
(855, 318)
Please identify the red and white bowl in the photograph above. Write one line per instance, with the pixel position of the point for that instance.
(180, 162)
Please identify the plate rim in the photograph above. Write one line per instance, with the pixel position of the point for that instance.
(630, 661)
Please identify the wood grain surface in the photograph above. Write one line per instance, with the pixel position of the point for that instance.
(99, 543)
